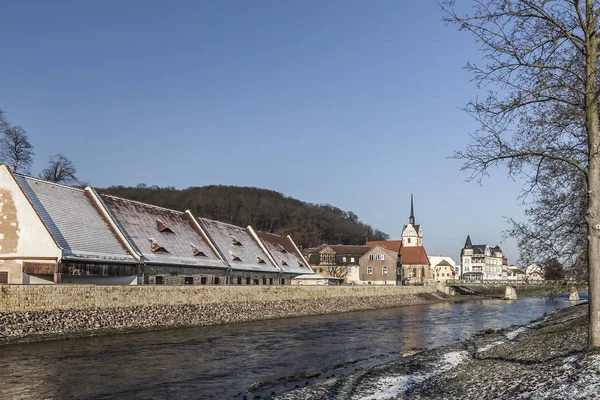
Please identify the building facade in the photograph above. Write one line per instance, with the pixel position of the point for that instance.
(482, 261)
(338, 261)
(379, 266)
(52, 233)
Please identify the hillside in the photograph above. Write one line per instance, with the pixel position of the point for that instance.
(266, 210)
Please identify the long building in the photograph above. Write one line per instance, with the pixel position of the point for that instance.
(480, 261)
(51, 233)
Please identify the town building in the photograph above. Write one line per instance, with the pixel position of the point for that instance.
(415, 262)
(534, 272)
(340, 261)
(51, 233)
(443, 268)
(171, 246)
(481, 261)
(379, 266)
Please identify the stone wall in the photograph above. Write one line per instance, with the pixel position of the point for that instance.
(31, 313)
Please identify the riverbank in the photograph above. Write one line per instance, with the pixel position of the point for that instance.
(33, 314)
(546, 359)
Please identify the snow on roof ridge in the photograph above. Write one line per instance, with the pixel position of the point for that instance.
(48, 182)
(224, 223)
(141, 203)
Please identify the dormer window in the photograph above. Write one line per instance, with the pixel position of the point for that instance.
(235, 258)
(283, 262)
(162, 228)
(260, 260)
(157, 248)
(236, 242)
(197, 253)
(301, 265)
(281, 249)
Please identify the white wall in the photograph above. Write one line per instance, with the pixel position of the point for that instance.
(22, 233)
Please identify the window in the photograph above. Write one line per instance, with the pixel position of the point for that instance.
(371, 256)
(270, 281)
(239, 281)
(284, 263)
(281, 249)
(235, 241)
(203, 280)
(385, 270)
(247, 281)
(351, 259)
(370, 270)
(217, 280)
(343, 259)
(260, 260)
(188, 280)
(256, 281)
(408, 240)
(157, 248)
(197, 253)
(383, 256)
(235, 258)
(162, 228)
(159, 280)
(264, 281)
(283, 281)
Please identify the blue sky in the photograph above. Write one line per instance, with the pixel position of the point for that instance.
(352, 103)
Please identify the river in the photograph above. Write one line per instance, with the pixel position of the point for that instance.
(222, 362)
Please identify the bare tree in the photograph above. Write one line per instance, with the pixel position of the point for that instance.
(60, 170)
(541, 110)
(3, 122)
(15, 149)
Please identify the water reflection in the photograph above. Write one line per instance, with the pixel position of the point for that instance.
(220, 361)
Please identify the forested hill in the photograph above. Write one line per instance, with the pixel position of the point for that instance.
(265, 210)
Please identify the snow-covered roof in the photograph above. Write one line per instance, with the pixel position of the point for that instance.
(237, 246)
(73, 221)
(284, 252)
(162, 236)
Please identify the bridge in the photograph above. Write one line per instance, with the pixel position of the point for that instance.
(469, 286)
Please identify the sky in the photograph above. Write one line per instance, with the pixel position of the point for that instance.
(355, 103)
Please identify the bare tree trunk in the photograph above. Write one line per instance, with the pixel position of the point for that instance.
(593, 212)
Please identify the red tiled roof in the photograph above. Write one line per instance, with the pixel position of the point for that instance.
(393, 245)
(415, 255)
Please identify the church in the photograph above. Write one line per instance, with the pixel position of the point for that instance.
(416, 269)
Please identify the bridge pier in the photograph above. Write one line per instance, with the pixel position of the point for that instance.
(573, 294)
(510, 293)
(449, 290)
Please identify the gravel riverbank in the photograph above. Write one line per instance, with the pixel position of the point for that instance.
(545, 359)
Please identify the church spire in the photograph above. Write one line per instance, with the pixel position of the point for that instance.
(411, 220)
(468, 243)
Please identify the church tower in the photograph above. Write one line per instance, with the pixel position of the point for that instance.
(412, 235)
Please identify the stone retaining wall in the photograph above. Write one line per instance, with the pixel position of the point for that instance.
(31, 313)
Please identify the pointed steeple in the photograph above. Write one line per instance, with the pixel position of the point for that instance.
(468, 244)
(411, 220)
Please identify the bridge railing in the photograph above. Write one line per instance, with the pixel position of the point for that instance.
(491, 282)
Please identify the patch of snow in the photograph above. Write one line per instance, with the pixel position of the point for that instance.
(512, 335)
(396, 386)
(489, 346)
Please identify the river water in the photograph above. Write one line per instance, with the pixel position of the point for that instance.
(221, 362)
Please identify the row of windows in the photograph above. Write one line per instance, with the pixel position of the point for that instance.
(384, 270)
(189, 280)
(376, 256)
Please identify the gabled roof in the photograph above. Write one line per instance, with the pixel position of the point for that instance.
(415, 255)
(349, 249)
(284, 252)
(380, 249)
(393, 245)
(160, 235)
(74, 222)
(443, 263)
(247, 251)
